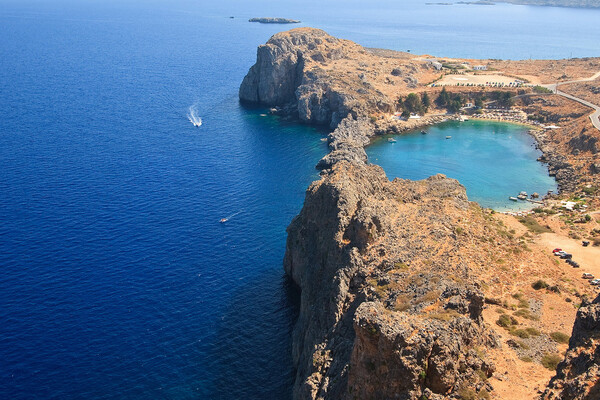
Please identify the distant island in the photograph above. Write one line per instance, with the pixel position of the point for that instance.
(274, 20)
(552, 3)
(556, 3)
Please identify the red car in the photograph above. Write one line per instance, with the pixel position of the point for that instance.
(556, 250)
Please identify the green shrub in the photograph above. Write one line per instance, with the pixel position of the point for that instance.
(539, 284)
(522, 333)
(560, 337)
(506, 321)
(541, 89)
(524, 313)
(467, 394)
(533, 225)
(532, 331)
(551, 361)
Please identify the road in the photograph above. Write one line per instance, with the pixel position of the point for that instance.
(595, 116)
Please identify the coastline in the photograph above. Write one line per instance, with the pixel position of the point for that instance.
(387, 269)
(554, 161)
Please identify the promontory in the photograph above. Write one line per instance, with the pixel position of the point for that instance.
(408, 289)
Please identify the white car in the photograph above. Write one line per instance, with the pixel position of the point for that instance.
(595, 282)
(587, 275)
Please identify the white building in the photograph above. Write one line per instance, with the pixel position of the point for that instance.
(436, 64)
(480, 67)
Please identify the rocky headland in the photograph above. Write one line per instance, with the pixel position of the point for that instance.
(399, 278)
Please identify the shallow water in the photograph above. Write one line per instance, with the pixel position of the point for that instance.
(492, 160)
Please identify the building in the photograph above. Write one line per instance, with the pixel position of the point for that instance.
(436, 64)
(480, 67)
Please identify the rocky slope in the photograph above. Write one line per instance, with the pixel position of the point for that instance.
(389, 307)
(391, 273)
(578, 376)
(322, 79)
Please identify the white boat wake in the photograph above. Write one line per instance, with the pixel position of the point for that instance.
(193, 116)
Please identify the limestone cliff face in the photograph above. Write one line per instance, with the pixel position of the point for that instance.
(388, 309)
(578, 375)
(296, 70)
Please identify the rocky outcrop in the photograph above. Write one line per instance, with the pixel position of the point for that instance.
(387, 310)
(347, 143)
(390, 304)
(293, 70)
(578, 375)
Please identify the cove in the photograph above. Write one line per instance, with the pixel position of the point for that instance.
(493, 160)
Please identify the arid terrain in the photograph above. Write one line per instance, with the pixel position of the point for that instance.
(408, 289)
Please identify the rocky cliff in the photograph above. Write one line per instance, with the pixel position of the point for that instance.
(389, 272)
(389, 305)
(322, 79)
(578, 375)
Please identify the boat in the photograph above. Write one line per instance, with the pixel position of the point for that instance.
(391, 140)
(423, 132)
(512, 198)
(523, 193)
(448, 137)
(223, 220)
(521, 197)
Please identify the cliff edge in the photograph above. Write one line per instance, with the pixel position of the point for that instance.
(304, 71)
(389, 307)
(578, 375)
(392, 273)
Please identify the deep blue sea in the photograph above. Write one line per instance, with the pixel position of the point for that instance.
(116, 278)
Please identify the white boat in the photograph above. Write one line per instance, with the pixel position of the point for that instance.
(391, 140)
(512, 198)
(521, 197)
(448, 137)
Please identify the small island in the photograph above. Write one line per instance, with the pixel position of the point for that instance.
(274, 20)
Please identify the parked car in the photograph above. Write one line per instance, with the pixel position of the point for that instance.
(556, 250)
(574, 264)
(559, 252)
(587, 275)
(570, 261)
(566, 256)
(585, 243)
(595, 282)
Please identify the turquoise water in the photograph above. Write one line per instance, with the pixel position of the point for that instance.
(117, 279)
(492, 160)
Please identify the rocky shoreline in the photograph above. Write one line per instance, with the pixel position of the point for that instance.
(389, 272)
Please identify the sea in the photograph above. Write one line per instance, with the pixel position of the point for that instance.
(118, 279)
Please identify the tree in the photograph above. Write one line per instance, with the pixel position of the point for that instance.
(443, 98)
(425, 101)
(479, 102)
(412, 103)
(405, 114)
